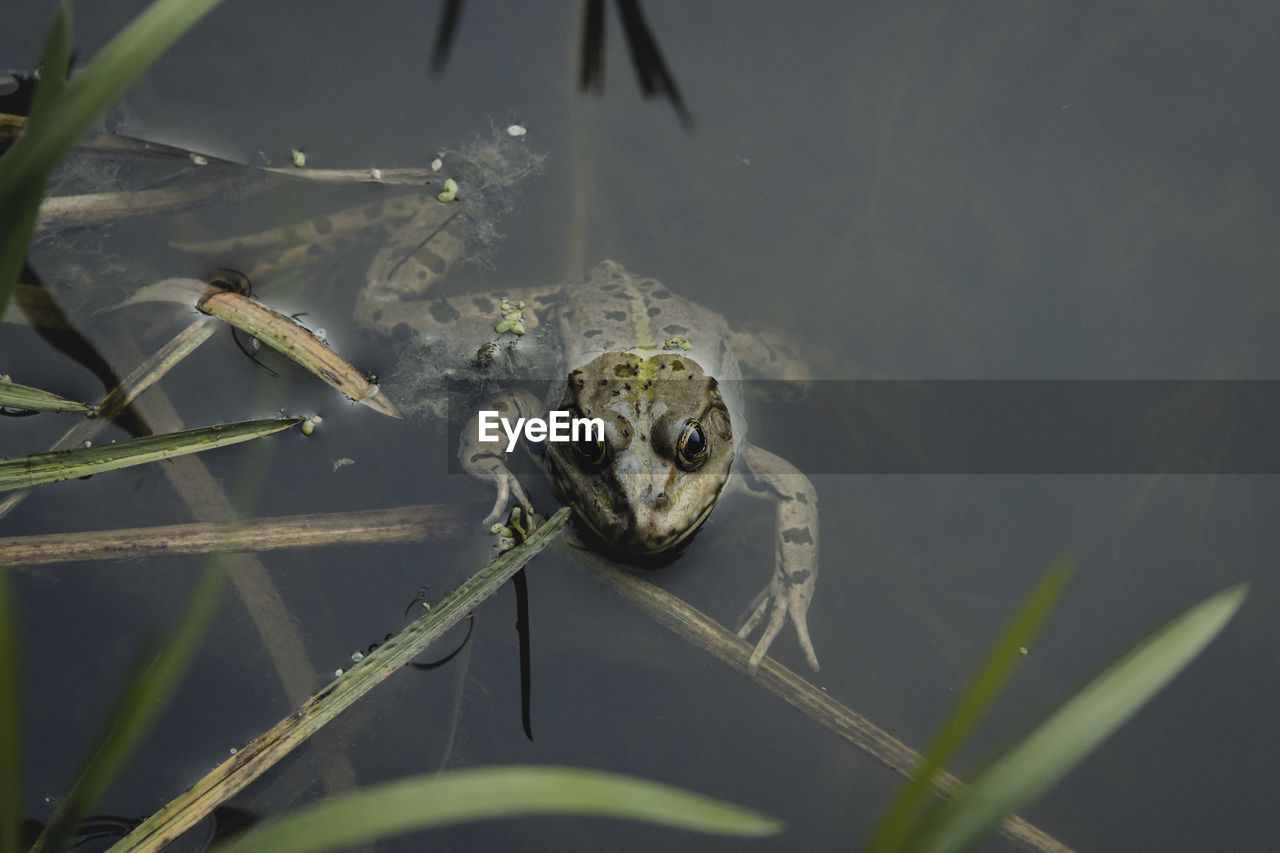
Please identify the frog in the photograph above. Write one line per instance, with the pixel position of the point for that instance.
(662, 373)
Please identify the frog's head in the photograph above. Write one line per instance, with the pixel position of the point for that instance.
(655, 476)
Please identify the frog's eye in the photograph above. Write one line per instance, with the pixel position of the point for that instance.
(692, 446)
(590, 450)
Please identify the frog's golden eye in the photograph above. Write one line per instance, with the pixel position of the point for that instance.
(692, 446)
(590, 450)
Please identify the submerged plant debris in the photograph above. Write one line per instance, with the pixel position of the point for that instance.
(489, 171)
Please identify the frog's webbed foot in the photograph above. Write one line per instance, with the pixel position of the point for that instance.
(780, 599)
(795, 573)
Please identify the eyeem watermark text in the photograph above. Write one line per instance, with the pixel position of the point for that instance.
(558, 426)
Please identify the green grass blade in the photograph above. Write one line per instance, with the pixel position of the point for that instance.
(142, 700)
(25, 397)
(33, 470)
(10, 722)
(19, 210)
(24, 187)
(901, 817)
(55, 63)
(64, 116)
(440, 799)
(1076, 729)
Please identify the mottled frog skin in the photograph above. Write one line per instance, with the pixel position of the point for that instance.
(663, 373)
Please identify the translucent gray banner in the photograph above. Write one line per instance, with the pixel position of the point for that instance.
(1003, 427)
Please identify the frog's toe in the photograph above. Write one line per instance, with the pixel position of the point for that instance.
(802, 634)
(496, 514)
(499, 511)
(769, 603)
(796, 597)
(777, 618)
(509, 488)
(755, 612)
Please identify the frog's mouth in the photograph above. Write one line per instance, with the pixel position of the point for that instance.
(636, 544)
(645, 527)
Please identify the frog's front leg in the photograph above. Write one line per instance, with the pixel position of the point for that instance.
(487, 460)
(795, 571)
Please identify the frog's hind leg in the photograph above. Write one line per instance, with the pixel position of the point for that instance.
(790, 589)
(768, 356)
(406, 272)
(303, 246)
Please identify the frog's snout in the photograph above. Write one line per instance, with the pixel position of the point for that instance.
(649, 527)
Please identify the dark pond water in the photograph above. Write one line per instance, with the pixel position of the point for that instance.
(917, 190)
